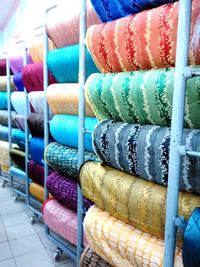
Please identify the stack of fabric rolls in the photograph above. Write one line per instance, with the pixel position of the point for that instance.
(32, 77)
(4, 145)
(132, 98)
(59, 212)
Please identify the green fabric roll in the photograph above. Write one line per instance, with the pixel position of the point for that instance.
(141, 97)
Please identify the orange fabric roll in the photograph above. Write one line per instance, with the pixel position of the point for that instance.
(37, 191)
(35, 50)
(143, 41)
(64, 98)
(62, 24)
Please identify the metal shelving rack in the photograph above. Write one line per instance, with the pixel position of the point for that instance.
(67, 247)
(177, 148)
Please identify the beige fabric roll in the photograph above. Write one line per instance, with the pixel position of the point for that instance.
(3, 83)
(64, 99)
(4, 156)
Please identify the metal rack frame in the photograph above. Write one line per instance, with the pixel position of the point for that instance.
(68, 248)
(177, 149)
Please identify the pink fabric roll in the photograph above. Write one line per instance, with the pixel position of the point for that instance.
(16, 62)
(62, 24)
(61, 220)
(32, 76)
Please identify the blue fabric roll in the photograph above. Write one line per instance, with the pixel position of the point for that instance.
(18, 81)
(3, 101)
(64, 129)
(63, 63)
(18, 136)
(109, 10)
(191, 241)
(37, 150)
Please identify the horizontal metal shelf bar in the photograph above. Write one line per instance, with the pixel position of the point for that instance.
(183, 152)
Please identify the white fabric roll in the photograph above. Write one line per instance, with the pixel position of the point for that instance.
(18, 100)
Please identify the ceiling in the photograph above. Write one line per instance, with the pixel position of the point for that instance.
(7, 8)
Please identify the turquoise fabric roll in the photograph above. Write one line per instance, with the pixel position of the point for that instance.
(18, 136)
(64, 129)
(63, 63)
(3, 101)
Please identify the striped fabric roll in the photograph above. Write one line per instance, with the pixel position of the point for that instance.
(61, 220)
(64, 159)
(137, 202)
(143, 41)
(65, 190)
(144, 151)
(64, 99)
(141, 97)
(90, 258)
(62, 23)
(121, 244)
(3, 83)
(37, 191)
(115, 9)
(64, 129)
(35, 49)
(32, 76)
(63, 63)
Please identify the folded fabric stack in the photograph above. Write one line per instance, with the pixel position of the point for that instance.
(59, 213)
(132, 98)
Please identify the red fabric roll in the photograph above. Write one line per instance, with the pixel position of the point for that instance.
(32, 76)
(142, 41)
(3, 67)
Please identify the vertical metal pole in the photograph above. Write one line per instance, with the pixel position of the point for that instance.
(177, 129)
(82, 66)
(46, 109)
(27, 110)
(9, 113)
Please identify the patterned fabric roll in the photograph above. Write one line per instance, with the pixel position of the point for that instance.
(36, 172)
(61, 220)
(64, 189)
(3, 84)
(143, 41)
(91, 259)
(64, 99)
(18, 81)
(4, 156)
(142, 97)
(64, 129)
(35, 49)
(62, 24)
(18, 157)
(4, 118)
(144, 151)
(37, 101)
(135, 201)
(63, 63)
(32, 76)
(121, 244)
(115, 9)
(37, 191)
(64, 159)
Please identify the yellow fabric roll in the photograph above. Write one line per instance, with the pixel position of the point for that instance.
(4, 156)
(64, 98)
(3, 83)
(36, 50)
(123, 245)
(37, 191)
(133, 200)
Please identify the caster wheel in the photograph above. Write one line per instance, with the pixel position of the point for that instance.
(57, 254)
(3, 184)
(15, 198)
(32, 220)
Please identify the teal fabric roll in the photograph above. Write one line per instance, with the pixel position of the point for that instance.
(3, 101)
(64, 129)
(63, 63)
(64, 159)
(18, 136)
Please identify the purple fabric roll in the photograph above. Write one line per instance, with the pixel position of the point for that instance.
(16, 62)
(36, 172)
(18, 81)
(64, 189)
(19, 121)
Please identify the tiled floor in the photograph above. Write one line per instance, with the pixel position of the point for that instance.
(23, 244)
